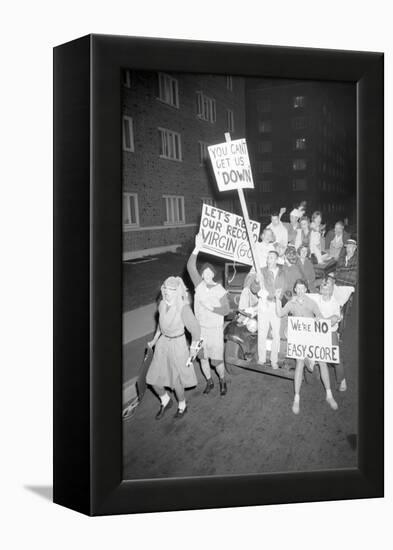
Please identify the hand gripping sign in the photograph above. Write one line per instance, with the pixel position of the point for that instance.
(311, 339)
(224, 234)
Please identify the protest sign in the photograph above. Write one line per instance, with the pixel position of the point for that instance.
(224, 234)
(231, 165)
(311, 339)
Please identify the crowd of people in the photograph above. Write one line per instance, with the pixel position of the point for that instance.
(304, 272)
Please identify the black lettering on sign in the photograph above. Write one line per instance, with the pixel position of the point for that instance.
(237, 176)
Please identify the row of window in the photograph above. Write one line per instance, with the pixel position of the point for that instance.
(298, 123)
(331, 186)
(175, 211)
(326, 207)
(170, 141)
(298, 184)
(265, 105)
(266, 166)
(266, 146)
(168, 92)
(173, 208)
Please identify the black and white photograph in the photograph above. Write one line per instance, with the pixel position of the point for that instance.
(240, 248)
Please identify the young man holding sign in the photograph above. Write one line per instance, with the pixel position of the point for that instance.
(210, 306)
(304, 307)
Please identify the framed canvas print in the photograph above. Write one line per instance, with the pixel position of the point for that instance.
(218, 275)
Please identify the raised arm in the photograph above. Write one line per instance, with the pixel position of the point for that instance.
(191, 264)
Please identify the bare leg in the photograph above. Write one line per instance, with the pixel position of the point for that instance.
(179, 390)
(205, 366)
(220, 368)
(166, 402)
(298, 383)
(340, 376)
(160, 391)
(326, 382)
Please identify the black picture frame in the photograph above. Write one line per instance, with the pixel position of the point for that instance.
(88, 274)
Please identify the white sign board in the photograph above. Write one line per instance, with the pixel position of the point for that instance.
(311, 339)
(231, 165)
(224, 234)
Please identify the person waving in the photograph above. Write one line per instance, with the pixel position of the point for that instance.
(210, 307)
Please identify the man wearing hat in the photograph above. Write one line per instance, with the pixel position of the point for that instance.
(347, 265)
(210, 305)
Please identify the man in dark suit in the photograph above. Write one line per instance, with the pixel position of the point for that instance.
(347, 265)
(335, 240)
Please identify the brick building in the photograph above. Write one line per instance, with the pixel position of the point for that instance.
(301, 138)
(168, 122)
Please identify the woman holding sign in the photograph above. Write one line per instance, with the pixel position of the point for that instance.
(210, 306)
(303, 306)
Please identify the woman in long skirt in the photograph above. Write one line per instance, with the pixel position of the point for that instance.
(169, 368)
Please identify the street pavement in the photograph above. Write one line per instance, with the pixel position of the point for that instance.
(250, 430)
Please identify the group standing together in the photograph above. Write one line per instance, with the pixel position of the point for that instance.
(286, 285)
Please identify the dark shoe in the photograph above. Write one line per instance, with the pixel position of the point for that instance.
(223, 387)
(209, 386)
(163, 409)
(180, 414)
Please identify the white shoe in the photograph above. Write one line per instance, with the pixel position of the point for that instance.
(343, 385)
(296, 407)
(332, 403)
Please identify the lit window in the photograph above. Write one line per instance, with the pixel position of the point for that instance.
(209, 201)
(229, 83)
(299, 185)
(300, 144)
(127, 78)
(170, 144)
(265, 126)
(299, 164)
(174, 210)
(203, 152)
(230, 121)
(264, 105)
(128, 134)
(266, 186)
(298, 101)
(298, 123)
(206, 107)
(265, 147)
(130, 210)
(168, 89)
